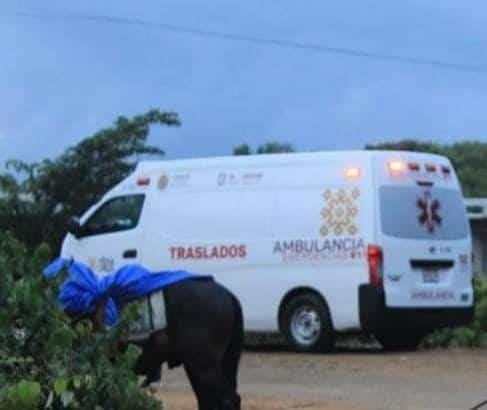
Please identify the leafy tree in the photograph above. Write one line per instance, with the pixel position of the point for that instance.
(41, 197)
(470, 161)
(243, 149)
(45, 363)
(272, 147)
(406, 145)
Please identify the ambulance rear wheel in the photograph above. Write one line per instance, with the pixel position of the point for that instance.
(306, 324)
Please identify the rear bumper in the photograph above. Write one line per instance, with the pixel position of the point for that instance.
(374, 314)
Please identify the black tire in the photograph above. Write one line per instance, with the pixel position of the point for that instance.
(297, 313)
(396, 340)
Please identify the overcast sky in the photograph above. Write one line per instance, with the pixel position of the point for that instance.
(63, 80)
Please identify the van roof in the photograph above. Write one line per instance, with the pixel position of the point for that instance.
(274, 159)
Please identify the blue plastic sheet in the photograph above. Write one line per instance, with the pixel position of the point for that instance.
(84, 288)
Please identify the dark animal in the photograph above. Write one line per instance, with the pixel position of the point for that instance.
(204, 334)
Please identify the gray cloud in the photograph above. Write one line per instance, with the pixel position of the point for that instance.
(61, 81)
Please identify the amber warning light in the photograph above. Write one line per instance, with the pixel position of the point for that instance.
(352, 172)
(396, 167)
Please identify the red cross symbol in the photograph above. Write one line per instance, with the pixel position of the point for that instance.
(429, 216)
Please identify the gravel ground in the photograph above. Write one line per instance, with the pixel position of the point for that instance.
(350, 379)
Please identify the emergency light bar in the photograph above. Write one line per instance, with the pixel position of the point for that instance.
(397, 167)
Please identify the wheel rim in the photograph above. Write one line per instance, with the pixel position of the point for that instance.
(306, 325)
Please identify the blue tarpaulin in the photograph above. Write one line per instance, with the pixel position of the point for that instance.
(84, 288)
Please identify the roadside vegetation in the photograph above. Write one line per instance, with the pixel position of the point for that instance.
(45, 363)
(474, 335)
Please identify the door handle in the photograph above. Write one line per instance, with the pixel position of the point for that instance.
(130, 253)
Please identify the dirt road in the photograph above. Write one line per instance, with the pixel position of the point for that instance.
(347, 380)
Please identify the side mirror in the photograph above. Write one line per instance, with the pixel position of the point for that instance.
(74, 227)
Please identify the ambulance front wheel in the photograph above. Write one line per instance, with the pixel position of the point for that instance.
(307, 325)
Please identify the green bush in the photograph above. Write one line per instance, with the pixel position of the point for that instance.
(47, 363)
(474, 335)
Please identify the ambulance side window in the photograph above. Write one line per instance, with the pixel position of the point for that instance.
(118, 214)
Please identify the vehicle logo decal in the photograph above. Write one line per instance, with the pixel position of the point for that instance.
(92, 263)
(163, 182)
(394, 278)
(340, 213)
(102, 264)
(429, 215)
(221, 179)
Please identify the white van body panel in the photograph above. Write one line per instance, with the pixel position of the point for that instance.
(266, 225)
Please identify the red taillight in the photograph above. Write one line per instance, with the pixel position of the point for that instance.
(430, 167)
(375, 259)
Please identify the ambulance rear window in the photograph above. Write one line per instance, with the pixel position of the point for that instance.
(423, 213)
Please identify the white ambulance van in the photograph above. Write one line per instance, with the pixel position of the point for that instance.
(312, 244)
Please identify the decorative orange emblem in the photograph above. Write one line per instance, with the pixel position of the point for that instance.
(340, 212)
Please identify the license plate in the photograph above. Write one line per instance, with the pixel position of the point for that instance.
(431, 276)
